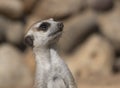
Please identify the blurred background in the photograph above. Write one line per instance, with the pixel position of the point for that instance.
(90, 44)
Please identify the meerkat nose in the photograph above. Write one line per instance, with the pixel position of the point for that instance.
(60, 25)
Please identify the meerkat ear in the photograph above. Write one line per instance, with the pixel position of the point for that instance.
(51, 19)
(29, 40)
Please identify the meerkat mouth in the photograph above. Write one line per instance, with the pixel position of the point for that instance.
(57, 32)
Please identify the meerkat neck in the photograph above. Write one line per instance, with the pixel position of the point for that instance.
(43, 64)
(42, 55)
(42, 59)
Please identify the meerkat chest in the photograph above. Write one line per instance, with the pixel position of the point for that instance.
(41, 74)
(47, 66)
(43, 66)
(57, 63)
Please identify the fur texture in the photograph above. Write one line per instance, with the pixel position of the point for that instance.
(51, 71)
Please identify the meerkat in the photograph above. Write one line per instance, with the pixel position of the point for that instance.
(51, 70)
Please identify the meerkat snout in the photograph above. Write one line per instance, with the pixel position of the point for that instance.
(60, 25)
(43, 33)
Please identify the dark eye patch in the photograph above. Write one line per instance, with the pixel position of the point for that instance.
(44, 26)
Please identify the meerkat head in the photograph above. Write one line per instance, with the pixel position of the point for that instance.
(44, 33)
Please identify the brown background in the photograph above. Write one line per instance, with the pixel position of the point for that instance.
(90, 44)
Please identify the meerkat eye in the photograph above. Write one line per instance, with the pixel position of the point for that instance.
(44, 26)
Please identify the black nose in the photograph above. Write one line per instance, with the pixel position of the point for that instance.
(60, 25)
(29, 40)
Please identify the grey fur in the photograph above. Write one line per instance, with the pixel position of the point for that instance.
(51, 71)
